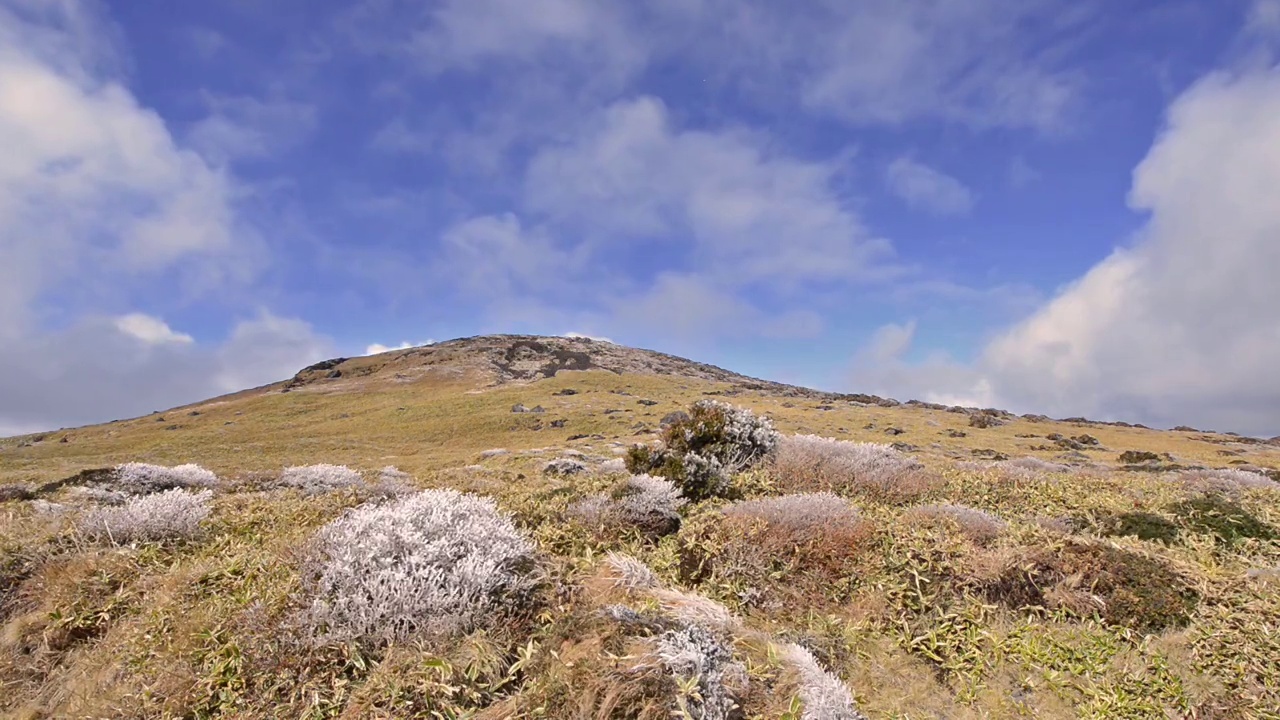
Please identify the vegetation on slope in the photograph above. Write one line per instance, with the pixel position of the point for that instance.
(826, 580)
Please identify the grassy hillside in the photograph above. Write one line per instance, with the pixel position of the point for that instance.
(974, 588)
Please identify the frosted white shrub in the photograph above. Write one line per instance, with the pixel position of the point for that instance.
(317, 479)
(613, 466)
(751, 436)
(693, 653)
(804, 514)
(392, 482)
(811, 462)
(977, 524)
(437, 562)
(171, 514)
(640, 500)
(822, 695)
(144, 478)
(1226, 480)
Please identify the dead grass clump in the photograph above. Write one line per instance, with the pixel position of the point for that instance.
(809, 463)
(773, 553)
(977, 525)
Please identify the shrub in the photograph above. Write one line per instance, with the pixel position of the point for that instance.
(804, 517)
(317, 479)
(1142, 525)
(823, 695)
(701, 452)
(173, 514)
(1121, 587)
(613, 466)
(1226, 520)
(809, 463)
(1134, 457)
(645, 502)
(1226, 480)
(437, 562)
(144, 479)
(702, 660)
(977, 525)
(632, 574)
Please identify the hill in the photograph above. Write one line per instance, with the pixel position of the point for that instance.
(986, 565)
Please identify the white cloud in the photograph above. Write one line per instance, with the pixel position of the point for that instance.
(94, 192)
(102, 369)
(1183, 326)
(378, 348)
(244, 127)
(587, 337)
(1021, 173)
(926, 188)
(752, 214)
(150, 329)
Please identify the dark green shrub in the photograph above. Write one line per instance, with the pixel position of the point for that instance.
(1134, 457)
(701, 452)
(1225, 519)
(1140, 593)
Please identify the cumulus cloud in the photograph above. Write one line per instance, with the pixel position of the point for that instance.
(927, 188)
(151, 330)
(93, 186)
(378, 348)
(1181, 326)
(241, 127)
(108, 368)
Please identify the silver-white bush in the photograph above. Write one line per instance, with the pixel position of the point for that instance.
(317, 479)
(803, 514)
(143, 478)
(811, 462)
(437, 562)
(698, 656)
(979, 525)
(1226, 480)
(822, 694)
(172, 514)
(644, 501)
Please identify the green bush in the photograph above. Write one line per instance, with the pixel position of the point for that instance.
(700, 453)
(1224, 519)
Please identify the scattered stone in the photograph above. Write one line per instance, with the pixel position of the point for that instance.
(989, 453)
(564, 392)
(1026, 435)
(672, 418)
(537, 409)
(984, 420)
(957, 433)
(826, 407)
(518, 408)
(1185, 428)
(647, 403)
(559, 423)
(495, 452)
(1035, 418)
(894, 431)
(904, 447)
(869, 426)
(1086, 440)
(64, 439)
(1134, 457)
(577, 437)
(194, 413)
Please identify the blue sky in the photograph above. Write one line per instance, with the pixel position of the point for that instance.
(1043, 205)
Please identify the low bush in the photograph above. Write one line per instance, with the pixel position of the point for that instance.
(435, 563)
(318, 479)
(144, 479)
(707, 677)
(801, 518)
(977, 525)
(649, 504)
(173, 514)
(823, 696)
(809, 463)
(701, 453)
(1225, 480)
(1226, 520)
(1121, 587)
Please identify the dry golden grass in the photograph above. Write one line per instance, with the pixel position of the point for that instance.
(917, 618)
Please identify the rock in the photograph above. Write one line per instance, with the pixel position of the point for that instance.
(904, 447)
(647, 403)
(518, 408)
(1086, 440)
(194, 413)
(894, 431)
(577, 437)
(673, 417)
(957, 433)
(537, 409)
(1134, 457)
(1035, 418)
(989, 453)
(558, 423)
(984, 420)
(564, 392)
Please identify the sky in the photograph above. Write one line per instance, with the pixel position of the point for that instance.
(1067, 207)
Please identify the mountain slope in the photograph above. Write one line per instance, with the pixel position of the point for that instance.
(1101, 579)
